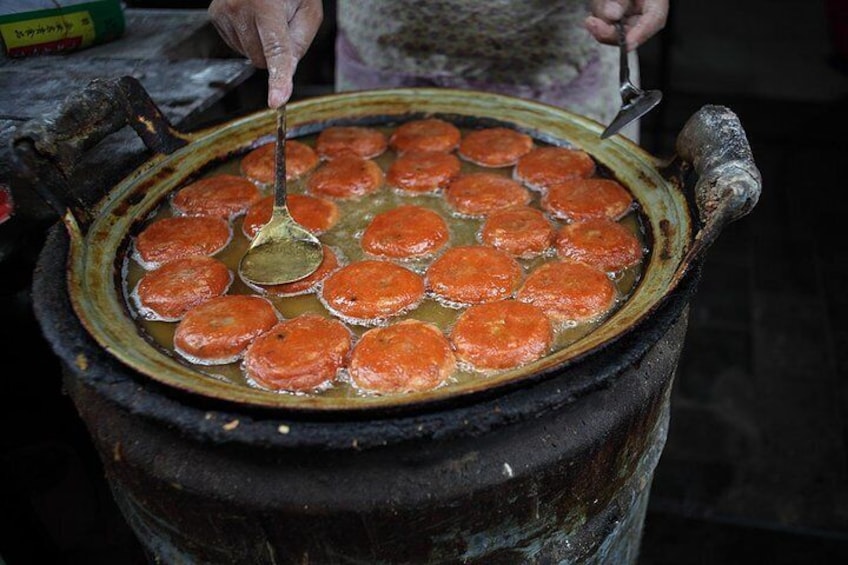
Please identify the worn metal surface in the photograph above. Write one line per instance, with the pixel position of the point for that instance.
(553, 466)
(97, 250)
(536, 475)
(555, 471)
(47, 151)
(728, 182)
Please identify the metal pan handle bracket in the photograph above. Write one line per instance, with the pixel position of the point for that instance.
(47, 150)
(729, 183)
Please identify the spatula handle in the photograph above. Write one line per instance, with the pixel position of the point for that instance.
(623, 67)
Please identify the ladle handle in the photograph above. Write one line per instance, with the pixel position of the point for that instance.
(47, 150)
(729, 183)
(280, 160)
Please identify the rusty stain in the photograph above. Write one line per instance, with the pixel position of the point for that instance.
(667, 230)
(149, 125)
(164, 172)
(121, 209)
(99, 238)
(131, 200)
(81, 361)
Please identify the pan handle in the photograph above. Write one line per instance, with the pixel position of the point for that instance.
(729, 183)
(47, 150)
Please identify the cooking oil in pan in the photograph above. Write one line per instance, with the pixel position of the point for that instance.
(344, 238)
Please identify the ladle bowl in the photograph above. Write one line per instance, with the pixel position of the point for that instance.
(282, 251)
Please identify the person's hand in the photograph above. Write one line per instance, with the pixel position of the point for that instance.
(642, 19)
(273, 34)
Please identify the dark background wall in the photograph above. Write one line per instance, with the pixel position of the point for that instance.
(755, 469)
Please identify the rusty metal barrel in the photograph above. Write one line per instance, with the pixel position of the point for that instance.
(558, 470)
(551, 467)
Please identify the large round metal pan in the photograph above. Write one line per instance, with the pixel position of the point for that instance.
(679, 227)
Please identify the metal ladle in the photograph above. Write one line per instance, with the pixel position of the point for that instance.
(635, 102)
(283, 251)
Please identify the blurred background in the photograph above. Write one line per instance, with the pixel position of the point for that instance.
(754, 470)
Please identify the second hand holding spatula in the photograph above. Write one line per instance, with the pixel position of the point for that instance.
(635, 102)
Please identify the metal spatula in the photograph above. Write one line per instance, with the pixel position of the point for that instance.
(283, 251)
(635, 102)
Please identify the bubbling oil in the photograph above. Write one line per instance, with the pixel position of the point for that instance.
(344, 237)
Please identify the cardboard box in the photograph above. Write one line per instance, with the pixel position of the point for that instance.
(37, 27)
